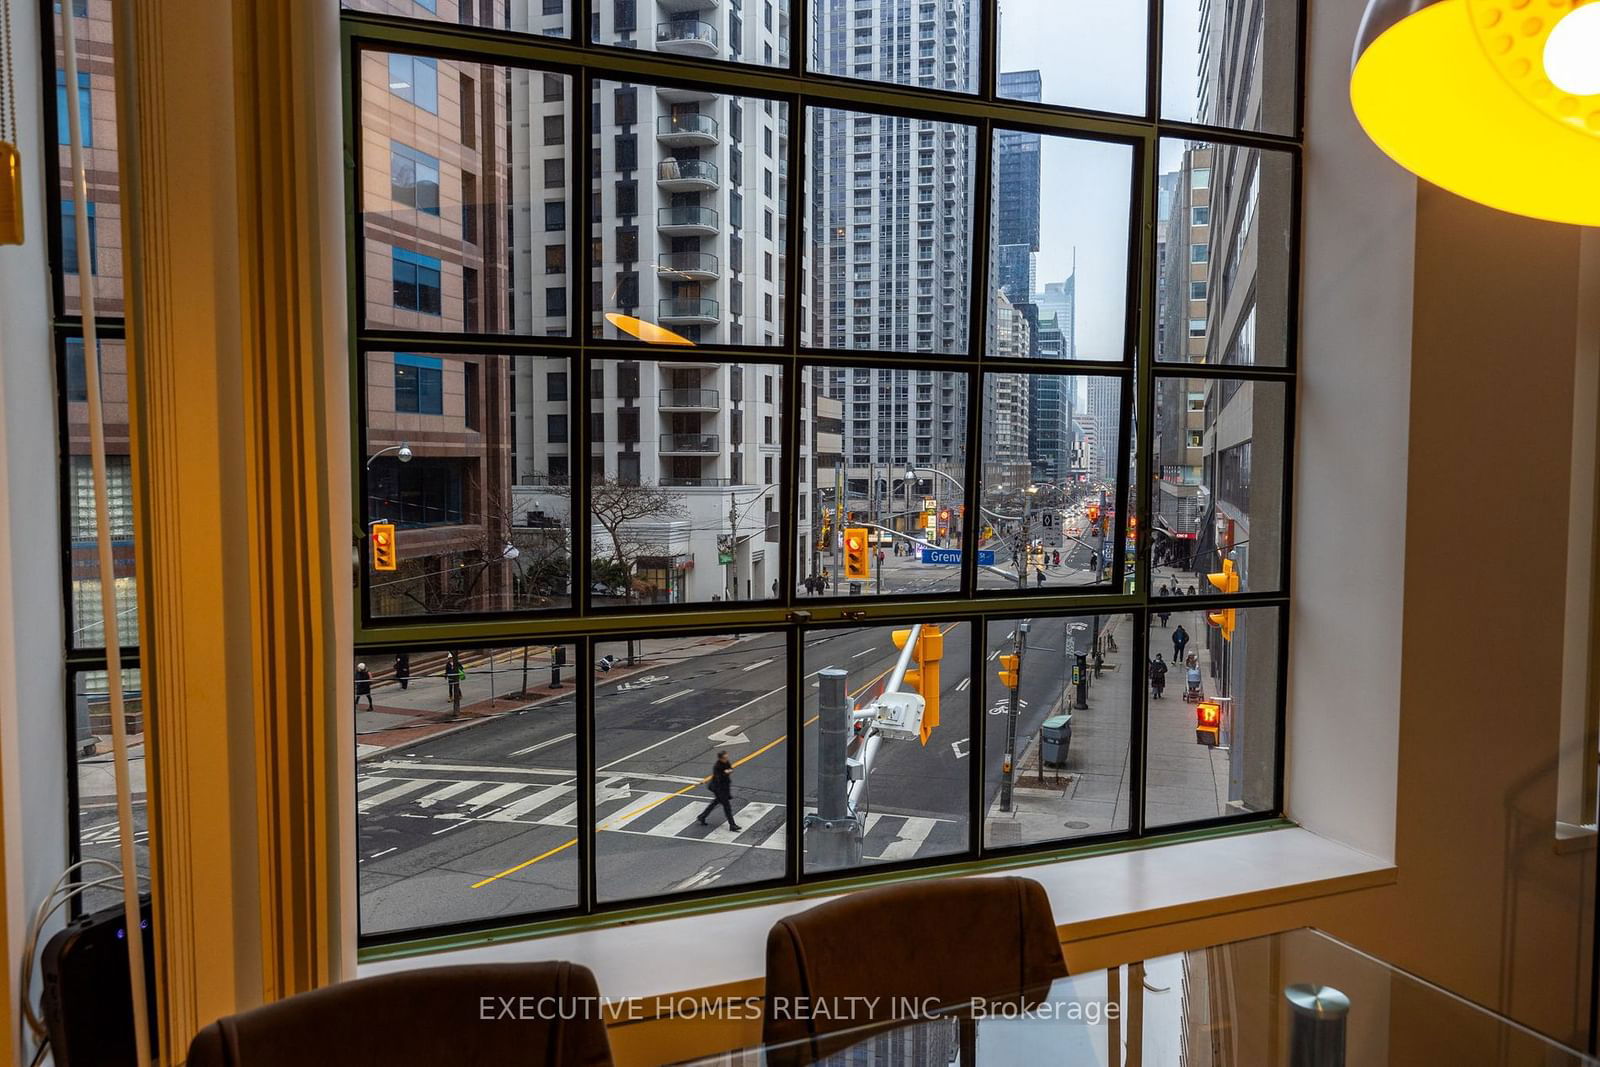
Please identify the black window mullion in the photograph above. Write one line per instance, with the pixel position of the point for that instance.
(580, 278)
(980, 285)
(799, 416)
(977, 722)
(588, 773)
(795, 706)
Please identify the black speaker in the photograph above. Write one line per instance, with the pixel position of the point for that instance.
(88, 1005)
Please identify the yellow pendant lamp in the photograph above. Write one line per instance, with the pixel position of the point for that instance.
(1497, 101)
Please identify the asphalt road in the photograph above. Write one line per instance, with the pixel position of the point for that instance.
(481, 822)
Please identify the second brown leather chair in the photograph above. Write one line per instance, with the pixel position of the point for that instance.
(945, 941)
(472, 1016)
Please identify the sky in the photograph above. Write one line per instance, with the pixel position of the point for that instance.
(1092, 55)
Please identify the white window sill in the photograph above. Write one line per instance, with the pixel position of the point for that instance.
(1092, 897)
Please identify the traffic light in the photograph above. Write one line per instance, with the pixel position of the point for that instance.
(924, 676)
(857, 563)
(1008, 670)
(1207, 722)
(383, 547)
(1093, 511)
(1225, 581)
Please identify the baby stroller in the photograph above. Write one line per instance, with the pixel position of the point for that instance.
(1193, 694)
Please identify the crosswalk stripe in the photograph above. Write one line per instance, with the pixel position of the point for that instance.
(370, 781)
(679, 819)
(778, 839)
(637, 805)
(429, 799)
(750, 814)
(567, 816)
(913, 832)
(406, 786)
(514, 811)
(489, 796)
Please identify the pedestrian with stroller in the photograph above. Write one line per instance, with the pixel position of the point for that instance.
(721, 790)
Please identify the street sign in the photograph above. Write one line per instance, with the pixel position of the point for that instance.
(952, 556)
(930, 504)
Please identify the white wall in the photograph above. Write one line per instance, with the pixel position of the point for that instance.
(1350, 461)
(32, 687)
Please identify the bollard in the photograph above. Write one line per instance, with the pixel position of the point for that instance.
(1317, 1015)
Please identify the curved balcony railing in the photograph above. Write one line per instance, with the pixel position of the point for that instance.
(683, 170)
(697, 263)
(681, 308)
(692, 123)
(688, 215)
(686, 31)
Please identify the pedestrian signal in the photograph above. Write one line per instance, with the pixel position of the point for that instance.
(1207, 722)
(857, 565)
(383, 547)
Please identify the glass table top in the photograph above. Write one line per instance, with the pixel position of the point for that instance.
(1290, 998)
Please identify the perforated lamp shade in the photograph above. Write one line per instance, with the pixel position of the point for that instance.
(1476, 97)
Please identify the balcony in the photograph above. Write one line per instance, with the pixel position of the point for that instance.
(690, 400)
(689, 37)
(686, 175)
(695, 482)
(688, 219)
(688, 130)
(682, 6)
(691, 444)
(682, 310)
(696, 266)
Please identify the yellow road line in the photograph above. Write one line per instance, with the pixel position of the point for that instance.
(660, 800)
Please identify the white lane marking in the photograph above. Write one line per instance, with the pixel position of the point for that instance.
(692, 729)
(450, 790)
(680, 819)
(729, 735)
(672, 696)
(489, 796)
(639, 805)
(993, 654)
(913, 832)
(514, 811)
(749, 814)
(960, 751)
(385, 852)
(961, 686)
(703, 878)
(476, 768)
(864, 652)
(372, 800)
(757, 663)
(543, 744)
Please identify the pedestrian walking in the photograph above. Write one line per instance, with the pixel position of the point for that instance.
(1040, 576)
(1180, 637)
(454, 674)
(774, 589)
(1158, 676)
(363, 686)
(721, 790)
(402, 670)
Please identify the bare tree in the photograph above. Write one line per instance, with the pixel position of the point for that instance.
(620, 509)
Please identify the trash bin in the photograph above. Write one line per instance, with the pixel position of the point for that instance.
(1056, 734)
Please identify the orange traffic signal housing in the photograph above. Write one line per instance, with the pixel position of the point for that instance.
(1207, 722)
(857, 561)
(923, 675)
(384, 557)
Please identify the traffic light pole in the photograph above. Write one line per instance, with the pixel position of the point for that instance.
(1009, 769)
(831, 838)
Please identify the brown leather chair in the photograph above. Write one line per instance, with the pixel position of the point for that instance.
(945, 941)
(464, 1016)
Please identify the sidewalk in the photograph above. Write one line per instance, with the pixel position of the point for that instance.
(1184, 780)
(97, 780)
(1089, 794)
(494, 687)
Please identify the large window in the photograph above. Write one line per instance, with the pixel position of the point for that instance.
(88, 723)
(813, 485)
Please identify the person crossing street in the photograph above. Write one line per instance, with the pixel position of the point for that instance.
(721, 790)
